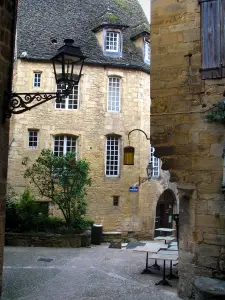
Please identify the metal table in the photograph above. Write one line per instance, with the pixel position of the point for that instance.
(170, 257)
(152, 248)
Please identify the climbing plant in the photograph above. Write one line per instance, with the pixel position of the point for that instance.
(218, 113)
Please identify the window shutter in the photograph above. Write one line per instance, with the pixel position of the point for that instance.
(222, 11)
(211, 39)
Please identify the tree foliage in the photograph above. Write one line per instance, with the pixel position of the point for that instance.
(63, 180)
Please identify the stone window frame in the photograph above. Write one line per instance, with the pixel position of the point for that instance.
(118, 51)
(109, 162)
(155, 163)
(109, 99)
(37, 79)
(65, 138)
(75, 101)
(116, 200)
(32, 137)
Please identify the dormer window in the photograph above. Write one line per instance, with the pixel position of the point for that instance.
(147, 52)
(112, 42)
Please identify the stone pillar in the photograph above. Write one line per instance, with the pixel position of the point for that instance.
(6, 29)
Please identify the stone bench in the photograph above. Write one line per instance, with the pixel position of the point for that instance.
(111, 236)
(209, 288)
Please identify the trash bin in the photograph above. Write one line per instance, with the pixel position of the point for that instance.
(96, 234)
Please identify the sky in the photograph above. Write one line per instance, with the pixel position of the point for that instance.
(146, 7)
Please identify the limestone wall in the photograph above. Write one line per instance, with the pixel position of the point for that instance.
(190, 147)
(6, 13)
(91, 123)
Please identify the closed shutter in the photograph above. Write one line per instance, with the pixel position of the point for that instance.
(222, 11)
(211, 38)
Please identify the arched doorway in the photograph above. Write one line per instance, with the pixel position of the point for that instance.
(164, 211)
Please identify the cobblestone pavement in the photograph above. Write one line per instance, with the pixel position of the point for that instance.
(96, 273)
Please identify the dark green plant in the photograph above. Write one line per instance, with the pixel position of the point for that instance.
(63, 180)
(218, 113)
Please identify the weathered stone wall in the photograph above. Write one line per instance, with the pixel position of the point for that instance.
(6, 16)
(47, 240)
(189, 146)
(91, 123)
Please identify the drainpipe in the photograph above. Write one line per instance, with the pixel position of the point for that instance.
(13, 42)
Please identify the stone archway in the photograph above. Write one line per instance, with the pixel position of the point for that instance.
(165, 207)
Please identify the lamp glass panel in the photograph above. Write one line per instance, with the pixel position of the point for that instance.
(128, 156)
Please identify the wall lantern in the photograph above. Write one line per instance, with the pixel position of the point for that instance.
(128, 154)
(67, 65)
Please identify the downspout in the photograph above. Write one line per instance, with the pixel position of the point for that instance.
(13, 42)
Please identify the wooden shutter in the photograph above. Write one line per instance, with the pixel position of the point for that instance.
(222, 12)
(211, 39)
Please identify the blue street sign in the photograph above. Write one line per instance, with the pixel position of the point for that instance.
(133, 189)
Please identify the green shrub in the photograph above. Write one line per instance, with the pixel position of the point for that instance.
(26, 215)
(82, 223)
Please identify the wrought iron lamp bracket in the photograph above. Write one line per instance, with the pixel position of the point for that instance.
(147, 138)
(18, 103)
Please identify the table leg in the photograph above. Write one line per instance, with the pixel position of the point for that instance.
(155, 266)
(146, 270)
(171, 275)
(164, 281)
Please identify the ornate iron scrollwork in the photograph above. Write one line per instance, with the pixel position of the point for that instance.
(17, 103)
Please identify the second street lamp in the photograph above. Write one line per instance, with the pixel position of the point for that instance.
(67, 65)
(128, 156)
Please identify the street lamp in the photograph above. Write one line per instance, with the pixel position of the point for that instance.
(128, 155)
(67, 65)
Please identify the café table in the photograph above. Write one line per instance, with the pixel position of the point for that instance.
(165, 257)
(152, 248)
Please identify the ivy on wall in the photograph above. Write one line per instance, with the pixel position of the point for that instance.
(218, 113)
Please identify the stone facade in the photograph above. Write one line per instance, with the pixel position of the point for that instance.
(189, 146)
(91, 123)
(6, 17)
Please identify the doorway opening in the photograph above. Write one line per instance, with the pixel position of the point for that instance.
(164, 211)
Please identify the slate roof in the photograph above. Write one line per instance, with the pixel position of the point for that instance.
(41, 21)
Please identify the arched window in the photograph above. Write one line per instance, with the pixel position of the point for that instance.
(64, 144)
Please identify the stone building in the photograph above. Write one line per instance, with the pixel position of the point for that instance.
(113, 97)
(187, 80)
(7, 13)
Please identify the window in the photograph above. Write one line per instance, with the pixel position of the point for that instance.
(116, 200)
(33, 139)
(69, 102)
(43, 207)
(147, 52)
(37, 80)
(114, 94)
(64, 144)
(112, 41)
(155, 163)
(213, 38)
(112, 154)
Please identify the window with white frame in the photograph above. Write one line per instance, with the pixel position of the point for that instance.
(68, 102)
(114, 92)
(147, 52)
(112, 156)
(64, 144)
(112, 41)
(32, 139)
(155, 163)
(37, 80)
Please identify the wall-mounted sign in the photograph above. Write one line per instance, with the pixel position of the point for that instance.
(133, 189)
